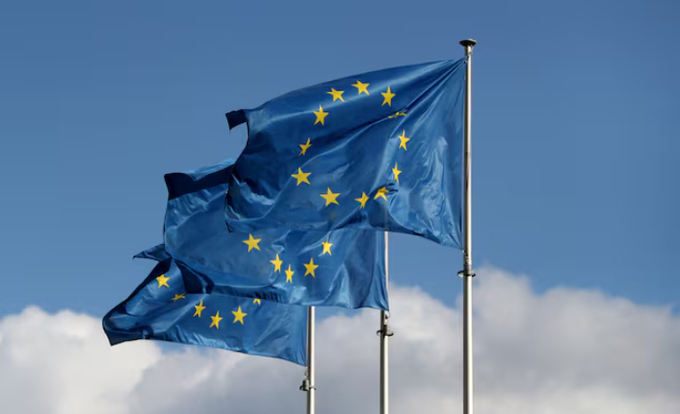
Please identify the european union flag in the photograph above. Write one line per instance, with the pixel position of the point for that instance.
(343, 267)
(380, 150)
(160, 308)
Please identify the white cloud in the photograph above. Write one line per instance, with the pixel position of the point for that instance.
(563, 351)
(62, 364)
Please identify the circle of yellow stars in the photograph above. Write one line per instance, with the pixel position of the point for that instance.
(310, 268)
(330, 197)
(200, 307)
(252, 243)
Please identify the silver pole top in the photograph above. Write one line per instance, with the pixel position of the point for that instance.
(468, 42)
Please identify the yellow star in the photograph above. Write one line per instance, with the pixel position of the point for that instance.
(305, 147)
(252, 242)
(381, 193)
(396, 171)
(289, 275)
(238, 315)
(326, 248)
(404, 139)
(216, 320)
(361, 87)
(199, 309)
(301, 177)
(330, 197)
(310, 267)
(397, 114)
(363, 199)
(162, 281)
(336, 94)
(178, 297)
(320, 116)
(388, 96)
(277, 263)
(257, 301)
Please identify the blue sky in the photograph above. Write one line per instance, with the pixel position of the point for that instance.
(575, 131)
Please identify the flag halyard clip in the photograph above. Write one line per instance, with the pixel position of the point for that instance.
(385, 330)
(464, 273)
(305, 384)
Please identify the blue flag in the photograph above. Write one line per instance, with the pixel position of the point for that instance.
(160, 308)
(380, 150)
(344, 267)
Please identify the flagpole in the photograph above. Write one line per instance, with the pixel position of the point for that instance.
(309, 383)
(384, 333)
(467, 274)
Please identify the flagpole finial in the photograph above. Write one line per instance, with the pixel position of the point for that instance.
(468, 42)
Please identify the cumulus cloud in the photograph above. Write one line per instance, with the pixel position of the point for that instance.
(562, 351)
(62, 364)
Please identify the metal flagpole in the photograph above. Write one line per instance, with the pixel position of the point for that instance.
(467, 274)
(384, 333)
(309, 383)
